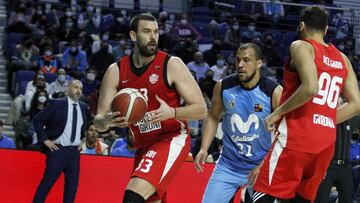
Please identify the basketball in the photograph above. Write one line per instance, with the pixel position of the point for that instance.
(131, 104)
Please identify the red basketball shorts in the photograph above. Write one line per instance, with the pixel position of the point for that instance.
(159, 163)
(286, 172)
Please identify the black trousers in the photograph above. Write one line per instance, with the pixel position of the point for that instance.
(340, 176)
(67, 160)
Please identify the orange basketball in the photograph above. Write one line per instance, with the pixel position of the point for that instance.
(131, 104)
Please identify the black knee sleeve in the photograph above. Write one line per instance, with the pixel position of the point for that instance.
(132, 197)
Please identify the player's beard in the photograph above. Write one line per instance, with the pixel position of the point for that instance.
(144, 50)
(249, 78)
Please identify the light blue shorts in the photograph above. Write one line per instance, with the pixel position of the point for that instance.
(223, 184)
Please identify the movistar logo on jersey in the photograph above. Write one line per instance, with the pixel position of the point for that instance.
(242, 126)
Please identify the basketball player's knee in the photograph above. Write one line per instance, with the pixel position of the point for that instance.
(132, 197)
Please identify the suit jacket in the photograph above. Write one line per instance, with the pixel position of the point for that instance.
(50, 123)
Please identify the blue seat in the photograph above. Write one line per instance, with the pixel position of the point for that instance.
(13, 39)
(202, 28)
(118, 143)
(206, 40)
(22, 77)
(50, 77)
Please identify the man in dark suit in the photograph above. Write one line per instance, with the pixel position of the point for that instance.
(59, 129)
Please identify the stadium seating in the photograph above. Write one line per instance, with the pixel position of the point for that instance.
(22, 77)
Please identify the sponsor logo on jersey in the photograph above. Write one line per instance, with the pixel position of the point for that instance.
(157, 67)
(153, 78)
(236, 138)
(323, 120)
(231, 103)
(332, 63)
(150, 154)
(242, 126)
(258, 107)
(145, 127)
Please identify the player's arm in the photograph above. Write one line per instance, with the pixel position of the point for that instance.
(302, 57)
(351, 92)
(210, 126)
(276, 95)
(103, 119)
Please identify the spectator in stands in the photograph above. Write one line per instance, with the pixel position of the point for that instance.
(19, 21)
(52, 17)
(355, 145)
(198, 65)
(251, 34)
(101, 60)
(274, 9)
(89, 82)
(210, 54)
(92, 144)
(37, 83)
(232, 36)
(208, 83)
(127, 149)
(67, 32)
(92, 100)
(38, 102)
(111, 137)
(25, 57)
(214, 29)
(60, 85)
(103, 37)
(67, 17)
(167, 23)
(84, 21)
(185, 50)
(251, 10)
(74, 61)
(120, 26)
(48, 62)
(165, 41)
(5, 142)
(123, 49)
(342, 27)
(219, 68)
(184, 30)
(96, 18)
(271, 52)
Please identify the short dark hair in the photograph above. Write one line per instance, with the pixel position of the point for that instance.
(134, 23)
(255, 47)
(315, 18)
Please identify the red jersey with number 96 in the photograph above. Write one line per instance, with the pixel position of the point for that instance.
(312, 127)
(151, 80)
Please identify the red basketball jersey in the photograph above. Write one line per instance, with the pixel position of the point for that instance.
(151, 80)
(312, 127)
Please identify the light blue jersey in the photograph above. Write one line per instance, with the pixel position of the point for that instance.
(246, 140)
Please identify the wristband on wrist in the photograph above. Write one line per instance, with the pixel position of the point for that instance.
(174, 112)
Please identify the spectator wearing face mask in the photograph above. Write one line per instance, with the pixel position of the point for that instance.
(219, 68)
(68, 15)
(123, 49)
(48, 62)
(210, 54)
(250, 34)
(165, 41)
(38, 102)
(89, 82)
(102, 38)
(74, 61)
(84, 22)
(184, 29)
(37, 83)
(207, 84)
(120, 26)
(67, 31)
(21, 15)
(198, 65)
(232, 36)
(96, 18)
(101, 60)
(60, 85)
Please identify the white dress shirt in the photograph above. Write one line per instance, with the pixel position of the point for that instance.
(65, 137)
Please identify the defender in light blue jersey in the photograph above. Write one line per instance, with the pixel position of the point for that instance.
(246, 99)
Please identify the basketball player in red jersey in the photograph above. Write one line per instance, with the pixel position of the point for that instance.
(162, 136)
(305, 121)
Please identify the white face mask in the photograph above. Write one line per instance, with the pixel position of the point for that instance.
(90, 76)
(90, 8)
(220, 63)
(251, 28)
(127, 52)
(183, 21)
(42, 99)
(105, 37)
(48, 53)
(341, 47)
(39, 12)
(235, 27)
(68, 13)
(161, 32)
(122, 42)
(61, 78)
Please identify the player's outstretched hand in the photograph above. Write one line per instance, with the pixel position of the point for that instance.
(51, 145)
(200, 160)
(164, 112)
(271, 120)
(111, 119)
